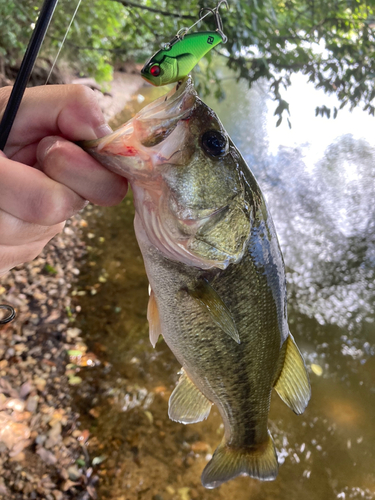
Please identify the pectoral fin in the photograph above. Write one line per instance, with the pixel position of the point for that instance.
(209, 299)
(187, 404)
(293, 384)
(153, 319)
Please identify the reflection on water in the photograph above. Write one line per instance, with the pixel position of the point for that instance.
(324, 215)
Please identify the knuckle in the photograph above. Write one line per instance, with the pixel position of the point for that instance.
(49, 208)
(83, 95)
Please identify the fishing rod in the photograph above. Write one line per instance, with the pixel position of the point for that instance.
(25, 70)
(16, 96)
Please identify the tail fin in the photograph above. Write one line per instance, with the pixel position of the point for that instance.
(227, 463)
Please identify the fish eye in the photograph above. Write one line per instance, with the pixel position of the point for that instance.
(214, 143)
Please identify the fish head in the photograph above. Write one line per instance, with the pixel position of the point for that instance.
(186, 176)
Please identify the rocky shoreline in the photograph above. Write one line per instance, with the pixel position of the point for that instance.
(43, 453)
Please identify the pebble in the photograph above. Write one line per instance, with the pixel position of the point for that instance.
(72, 333)
(58, 495)
(184, 493)
(40, 383)
(15, 404)
(47, 456)
(20, 457)
(54, 436)
(3, 489)
(25, 389)
(32, 403)
(200, 447)
(74, 473)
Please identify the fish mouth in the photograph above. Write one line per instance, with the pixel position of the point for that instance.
(159, 119)
(144, 136)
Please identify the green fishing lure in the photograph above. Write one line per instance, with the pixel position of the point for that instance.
(179, 57)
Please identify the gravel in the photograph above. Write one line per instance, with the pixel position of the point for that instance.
(43, 452)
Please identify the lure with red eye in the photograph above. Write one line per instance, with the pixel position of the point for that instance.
(155, 70)
(178, 58)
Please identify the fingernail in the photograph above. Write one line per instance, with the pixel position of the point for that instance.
(103, 130)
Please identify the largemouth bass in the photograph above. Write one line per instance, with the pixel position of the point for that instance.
(216, 273)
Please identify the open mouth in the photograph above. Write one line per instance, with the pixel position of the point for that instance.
(158, 120)
(142, 142)
(152, 125)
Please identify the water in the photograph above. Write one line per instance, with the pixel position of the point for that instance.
(319, 180)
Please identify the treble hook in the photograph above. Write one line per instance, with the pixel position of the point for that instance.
(218, 20)
(219, 25)
(11, 314)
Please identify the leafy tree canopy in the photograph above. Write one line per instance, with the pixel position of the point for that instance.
(330, 41)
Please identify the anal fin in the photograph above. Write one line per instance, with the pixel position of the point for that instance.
(210, 300)
(293, 384)
(153, 319)
(187, 403)
(259, 461)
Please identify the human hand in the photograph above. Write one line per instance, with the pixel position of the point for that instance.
(44, 177)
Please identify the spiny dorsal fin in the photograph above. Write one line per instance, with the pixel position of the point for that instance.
(227, 463)
(153, 319)
(187, 404)
(293, 384)
(209, 299)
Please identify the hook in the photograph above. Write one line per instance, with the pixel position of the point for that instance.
(218, 20)
(183, 31)
(11, 314)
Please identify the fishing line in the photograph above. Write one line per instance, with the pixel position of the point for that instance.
(197, 22)
(63, 41)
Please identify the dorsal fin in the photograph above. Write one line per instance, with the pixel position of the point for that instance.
(293, 384)
(187, 403)
(153, 319)
(209, 299)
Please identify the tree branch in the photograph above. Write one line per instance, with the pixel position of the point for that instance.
(126, 3)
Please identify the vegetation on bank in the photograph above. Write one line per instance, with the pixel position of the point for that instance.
(331, 41)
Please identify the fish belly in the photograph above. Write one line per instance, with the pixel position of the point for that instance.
(238, 378)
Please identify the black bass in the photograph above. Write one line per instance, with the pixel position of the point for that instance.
(216, 273)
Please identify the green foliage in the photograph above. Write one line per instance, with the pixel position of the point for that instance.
(330, 41)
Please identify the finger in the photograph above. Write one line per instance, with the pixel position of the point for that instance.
(16, 232)
(13, 256)
(71, 111)
(68, 164)
(29, 195)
